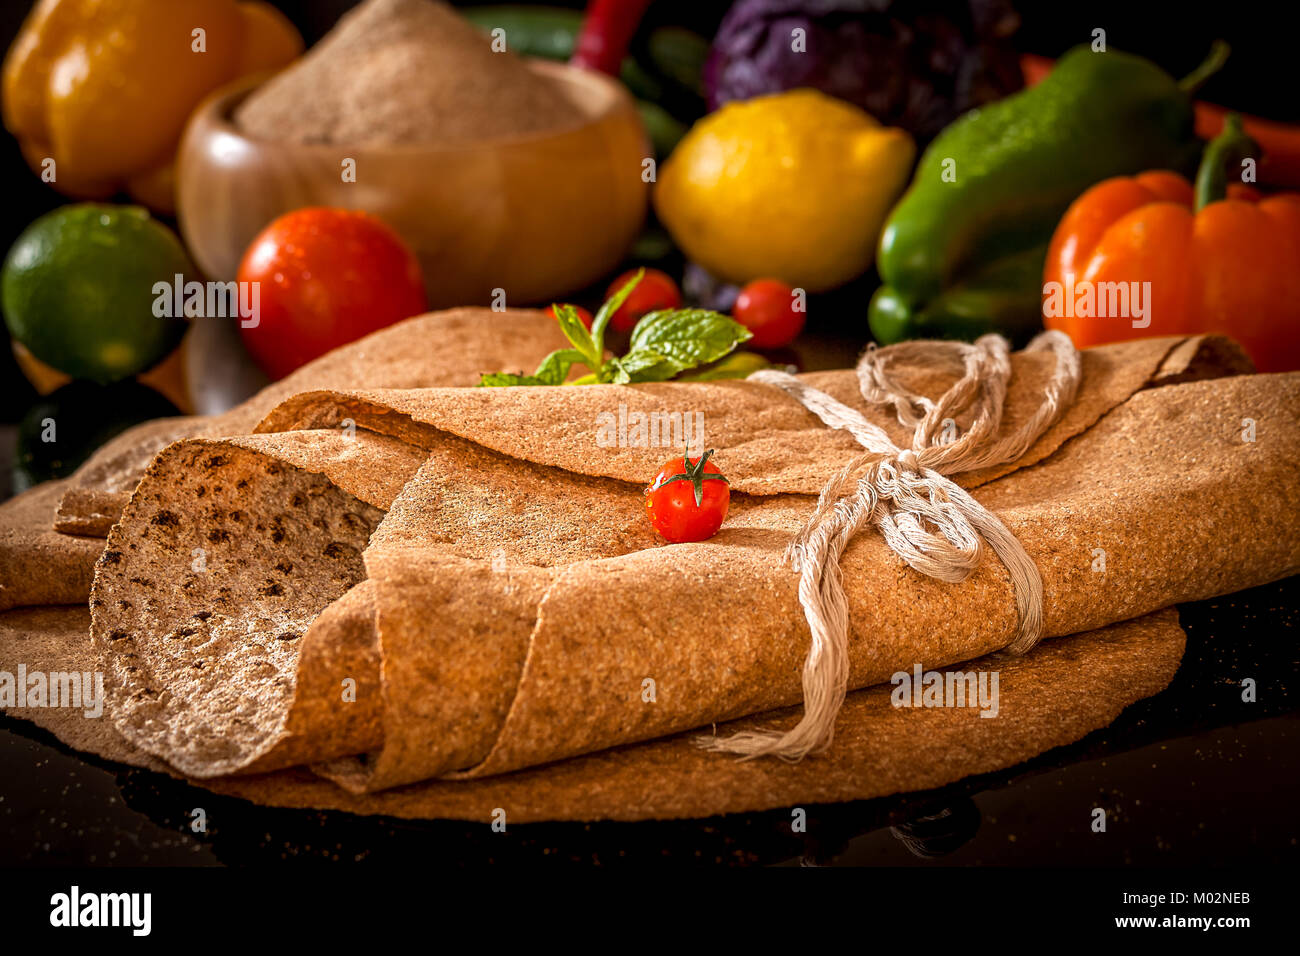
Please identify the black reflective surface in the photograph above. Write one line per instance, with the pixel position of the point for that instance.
(1193, 776)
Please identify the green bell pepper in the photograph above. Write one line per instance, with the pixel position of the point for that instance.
(962, 253)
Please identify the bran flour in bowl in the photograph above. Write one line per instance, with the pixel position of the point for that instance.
(398, 72)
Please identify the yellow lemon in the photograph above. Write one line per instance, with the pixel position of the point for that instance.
(793, 186)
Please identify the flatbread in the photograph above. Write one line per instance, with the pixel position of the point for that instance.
(1053, 696)
(449, 348)
(487, 567)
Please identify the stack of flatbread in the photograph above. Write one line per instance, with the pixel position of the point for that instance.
(375, 589)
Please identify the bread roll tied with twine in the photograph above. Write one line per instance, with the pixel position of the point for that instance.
(476, 564)
(902, 491)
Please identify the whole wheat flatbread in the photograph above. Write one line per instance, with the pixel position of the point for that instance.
(1055, 695)
(501, 525)
(519, 605)
(37, 564)
(446, 348)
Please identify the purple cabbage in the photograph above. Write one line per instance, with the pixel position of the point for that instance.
(915, 64)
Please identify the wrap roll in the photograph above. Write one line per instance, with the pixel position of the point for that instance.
(514, 603)
(51, 536)
(1053, 696)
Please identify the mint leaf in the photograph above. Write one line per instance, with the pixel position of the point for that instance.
(613, 373)
(577, 333)
(611, 306)
(664, 344)
(555, 367)
(649, 365)
(644, 365)
(497, 379)
(735, 365)
(553, 371)
(687, 337)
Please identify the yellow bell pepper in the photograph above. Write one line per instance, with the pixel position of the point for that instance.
(104, 87)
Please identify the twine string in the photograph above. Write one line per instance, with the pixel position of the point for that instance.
(926, 518)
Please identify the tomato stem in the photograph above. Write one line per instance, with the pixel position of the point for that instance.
(695, 475)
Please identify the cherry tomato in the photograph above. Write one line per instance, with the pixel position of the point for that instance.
(326, 277)
(583, 314)
(656, 290)
(766, 308)
(688, 500)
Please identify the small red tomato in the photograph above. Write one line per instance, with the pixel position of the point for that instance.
(766, 308)
(326, 277)
(655, 291)
(688, 500)
(583, 315)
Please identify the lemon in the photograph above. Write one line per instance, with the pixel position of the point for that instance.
(793, 186)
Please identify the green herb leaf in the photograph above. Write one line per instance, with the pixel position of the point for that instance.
(553, 371)
(611, 306)
(613, 373)
(735, 365)
(555, 367)
(498, 379)
(649, 365)
(577, 333)
(688, 337)
(664, 344)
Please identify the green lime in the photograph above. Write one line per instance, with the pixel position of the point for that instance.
(78, 290)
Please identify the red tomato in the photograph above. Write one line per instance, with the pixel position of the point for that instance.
(688, 500)
(766, 308)
(656, 290)
(326, 277)
(583, 314)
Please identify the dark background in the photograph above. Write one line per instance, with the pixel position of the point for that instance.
(1193, 776)
(1258, 78)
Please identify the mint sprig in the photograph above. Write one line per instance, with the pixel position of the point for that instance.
(664, 344)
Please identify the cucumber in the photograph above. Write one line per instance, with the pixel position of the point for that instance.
(664, 129)
(665, 75)
(546, 32)
(678, 54)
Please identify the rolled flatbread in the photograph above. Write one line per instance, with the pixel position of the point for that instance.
(51, 535)
(511, 605)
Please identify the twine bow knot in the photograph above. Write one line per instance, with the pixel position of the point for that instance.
(927, 519)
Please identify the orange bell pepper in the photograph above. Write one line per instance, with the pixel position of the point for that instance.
(1215, 259)
(104, 87)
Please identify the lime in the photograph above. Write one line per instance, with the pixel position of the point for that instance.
(78, 290)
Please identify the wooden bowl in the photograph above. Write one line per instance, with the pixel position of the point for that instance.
(537, 215)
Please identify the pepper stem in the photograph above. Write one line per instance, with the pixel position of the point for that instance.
(1228, 149)
(1212, 64)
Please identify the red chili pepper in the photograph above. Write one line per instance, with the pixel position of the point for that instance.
(606, 33)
